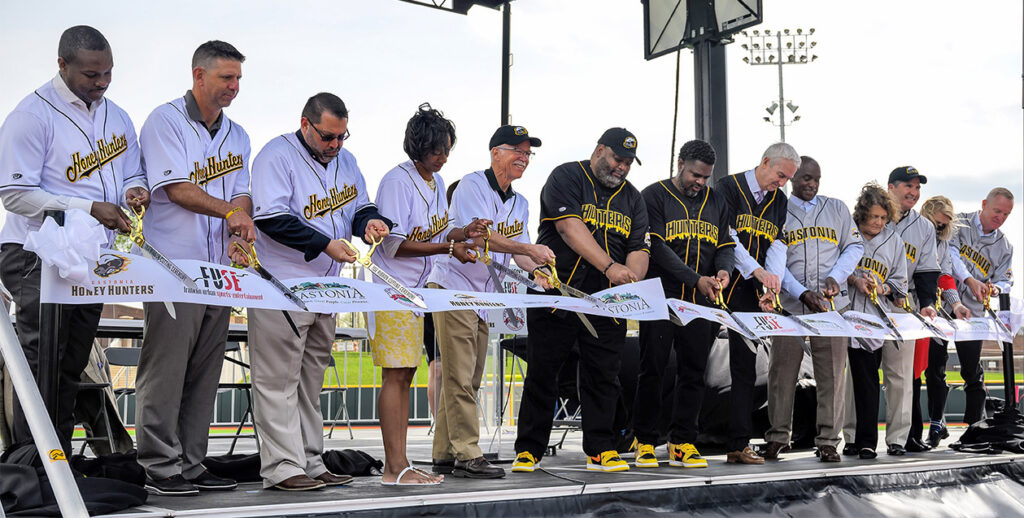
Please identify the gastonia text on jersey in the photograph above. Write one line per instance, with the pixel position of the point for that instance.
(874, 266)
(214, 169)
(84, 166)
(608, 219)
(800, 235)
(336, 199)
(975, 257)
(437, 226)
(756, 226)
(691, 228)
(911, 252)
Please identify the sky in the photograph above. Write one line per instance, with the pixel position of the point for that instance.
(925, 83)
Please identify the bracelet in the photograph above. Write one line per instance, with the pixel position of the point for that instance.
(451, 248)
(232, 211)
(605, 271)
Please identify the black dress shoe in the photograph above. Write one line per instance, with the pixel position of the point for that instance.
(850, 450)
(867, 453)
(896, 450)
(209, 482)
(175, 485)
(914, 445)
(773, 449)
(936, 434)
(443, 466)
(477, 468)
(827, 453)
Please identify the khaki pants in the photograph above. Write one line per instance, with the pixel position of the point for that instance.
(287, 377)
(828, 355)
(898, 382)
(462, 338)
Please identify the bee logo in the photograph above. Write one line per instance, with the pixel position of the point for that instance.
(629, 143)
(519, 130)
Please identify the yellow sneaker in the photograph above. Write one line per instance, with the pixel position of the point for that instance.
(685, 456)
(645, 457)
(607, 461)
(525, 463)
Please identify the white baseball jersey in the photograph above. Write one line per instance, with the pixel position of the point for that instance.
(475, 198)
(48, 144)
(176, 149)
(419, 214)
(286, 180)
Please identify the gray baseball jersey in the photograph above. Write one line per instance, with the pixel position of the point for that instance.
(918, 235)
(987, 257)
(815, 239)
(884, 259)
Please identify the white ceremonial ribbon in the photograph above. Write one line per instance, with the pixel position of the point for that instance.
(687, 312)
(70, 248)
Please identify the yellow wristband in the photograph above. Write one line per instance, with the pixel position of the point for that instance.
(232, 211)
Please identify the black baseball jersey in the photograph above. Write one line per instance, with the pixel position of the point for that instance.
(694, 229)
(617, 218)
(757, 226)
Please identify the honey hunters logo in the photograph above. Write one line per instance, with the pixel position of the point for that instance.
(212, 169)
(437, 226)
(336, 199)
(510, 230)
(82, 166)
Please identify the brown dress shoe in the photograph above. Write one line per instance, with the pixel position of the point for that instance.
(772, 451)
(299, 483)
(331, 479)
(745, 456)
(827, 453)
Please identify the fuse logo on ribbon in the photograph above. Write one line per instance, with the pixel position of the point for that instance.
(226, 280)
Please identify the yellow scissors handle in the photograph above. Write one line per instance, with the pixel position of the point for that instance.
(363, 258)
(135, 217)
(552, 277)
(249, 253)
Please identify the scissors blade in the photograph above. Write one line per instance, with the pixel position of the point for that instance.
(928, 325)
(509, 314)
(516, 276)
(888, 322)
(570, 291)
(999, 323)
(861, 321)
(151, 252)
(391, 281)
(269, 277)
(583, 318)
(169, 306)
(802, 324)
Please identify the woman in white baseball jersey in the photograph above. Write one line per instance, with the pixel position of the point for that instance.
(412, 195)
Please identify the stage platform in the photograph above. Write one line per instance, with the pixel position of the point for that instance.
(939, 483)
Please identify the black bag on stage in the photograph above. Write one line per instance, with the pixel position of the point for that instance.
(352, 462)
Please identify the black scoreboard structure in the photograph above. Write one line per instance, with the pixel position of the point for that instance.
(705, 26)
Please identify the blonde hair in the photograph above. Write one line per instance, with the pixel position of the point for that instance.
(940, 205)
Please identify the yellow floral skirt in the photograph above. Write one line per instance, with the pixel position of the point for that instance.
(397, 339)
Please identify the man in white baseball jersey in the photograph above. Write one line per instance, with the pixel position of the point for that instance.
(462, 335)
(308, 193)
(64, 147)
(196, 160)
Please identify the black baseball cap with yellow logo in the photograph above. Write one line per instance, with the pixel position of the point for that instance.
(622, 141)
(905, 174)
(512, 136)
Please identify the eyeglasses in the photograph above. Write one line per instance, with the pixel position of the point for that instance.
(329, 138)
(520, 152)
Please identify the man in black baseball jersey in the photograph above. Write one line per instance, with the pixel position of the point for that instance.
(757, 212)
(692, 253)
(596, 223)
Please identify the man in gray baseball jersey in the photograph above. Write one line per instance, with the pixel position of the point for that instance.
(824, 247)
(981, 257)
(918, 235)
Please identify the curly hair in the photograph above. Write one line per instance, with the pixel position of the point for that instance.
(428, 132)
(940, 205)
(870, 195)
(697, 150)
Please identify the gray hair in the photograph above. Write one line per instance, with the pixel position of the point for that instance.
(1000, 191)
(781, 151)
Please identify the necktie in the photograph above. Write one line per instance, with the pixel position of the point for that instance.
(758, 196)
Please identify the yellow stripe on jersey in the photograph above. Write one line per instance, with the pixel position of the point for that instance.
(214, 169)
(84, 166)
(319, 207)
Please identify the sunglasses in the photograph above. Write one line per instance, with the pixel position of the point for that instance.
(329, 138)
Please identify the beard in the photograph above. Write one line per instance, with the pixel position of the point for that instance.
(603, 172)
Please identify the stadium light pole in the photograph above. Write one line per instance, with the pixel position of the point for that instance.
(784, 47)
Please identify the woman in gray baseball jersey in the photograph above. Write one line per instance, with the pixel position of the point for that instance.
(882, 269)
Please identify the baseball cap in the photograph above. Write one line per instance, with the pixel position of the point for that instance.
(906, 173)
(622, 141)
(513, 136)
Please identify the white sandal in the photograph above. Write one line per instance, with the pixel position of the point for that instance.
(398, 480)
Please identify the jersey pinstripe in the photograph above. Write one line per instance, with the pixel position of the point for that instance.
(48, 144)
(286, 180)
(419, 214)
(757, 226)
(176, 149)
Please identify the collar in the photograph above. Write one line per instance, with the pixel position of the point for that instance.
(68, 96)
(312, 154)
(192, 108)
(505, 195)
(753, 185)
(976, 223)
(805, 205)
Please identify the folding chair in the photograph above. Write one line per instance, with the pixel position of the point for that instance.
(335, 388)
